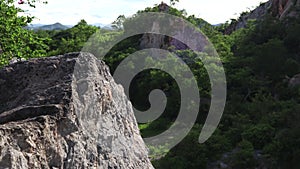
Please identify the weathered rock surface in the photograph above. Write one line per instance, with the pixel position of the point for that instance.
(242, 21)
(278, 8)
(285, 8)
(183, 32)
(66, 112)
(295, 81)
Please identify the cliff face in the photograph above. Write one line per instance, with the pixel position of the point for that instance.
(285, 8)
(66, 112)
(181, 31)
(257, 13)
(278, 8)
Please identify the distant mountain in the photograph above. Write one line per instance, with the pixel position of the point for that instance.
(59, 26)
(33, 26)
(103, 26)
(36, 25)
(56, 26)
(99, 24)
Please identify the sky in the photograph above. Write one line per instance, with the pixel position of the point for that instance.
(70, 12)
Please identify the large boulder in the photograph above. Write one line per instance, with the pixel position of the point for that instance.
(66, 112)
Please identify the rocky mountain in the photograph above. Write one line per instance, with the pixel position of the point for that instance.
(66, 112)
(277, 8)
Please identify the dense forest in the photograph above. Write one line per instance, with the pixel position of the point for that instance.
(260, 125)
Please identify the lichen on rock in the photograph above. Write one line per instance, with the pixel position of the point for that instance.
(66, 112)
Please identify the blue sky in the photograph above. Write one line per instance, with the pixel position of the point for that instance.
(69, 12)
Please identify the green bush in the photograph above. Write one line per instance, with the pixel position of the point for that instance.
(259, 135)
(17, 42)
(244, 157)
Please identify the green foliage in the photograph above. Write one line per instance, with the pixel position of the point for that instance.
(157, 152)
(17, 42)
(154, 128)
(268, 58)
(188, 154)
(291, 67)
(173, 11)
(257, 60)
(244, 157)
(118, 23)
(192, 154)
(259, 135)
(173, 2)
(261, 114)
(261, 108)
(71, 40)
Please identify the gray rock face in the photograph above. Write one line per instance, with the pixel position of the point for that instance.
(285, 8)
(257, 13)
(278, 8)
(165, 42)
(181, 33)
(66, 112)
(295, 81)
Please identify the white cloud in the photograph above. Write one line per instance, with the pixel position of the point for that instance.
(104, 11)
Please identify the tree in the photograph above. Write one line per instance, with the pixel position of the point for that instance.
(270, 57)
(73, 39)
(173, 2)
(118, 23)
(17, 42)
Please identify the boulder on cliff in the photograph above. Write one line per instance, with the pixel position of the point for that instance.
(66, 112)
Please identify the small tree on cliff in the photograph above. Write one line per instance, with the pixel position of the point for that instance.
(173, 2)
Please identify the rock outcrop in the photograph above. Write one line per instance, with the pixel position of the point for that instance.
(242, 21)
(277, 8)
(295, 81)
(285, 8)
(66, 112)
(179, 29)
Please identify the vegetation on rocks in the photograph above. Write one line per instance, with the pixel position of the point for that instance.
(262, 110)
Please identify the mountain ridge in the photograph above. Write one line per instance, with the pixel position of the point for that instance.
(60, 26)
(55, 26)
